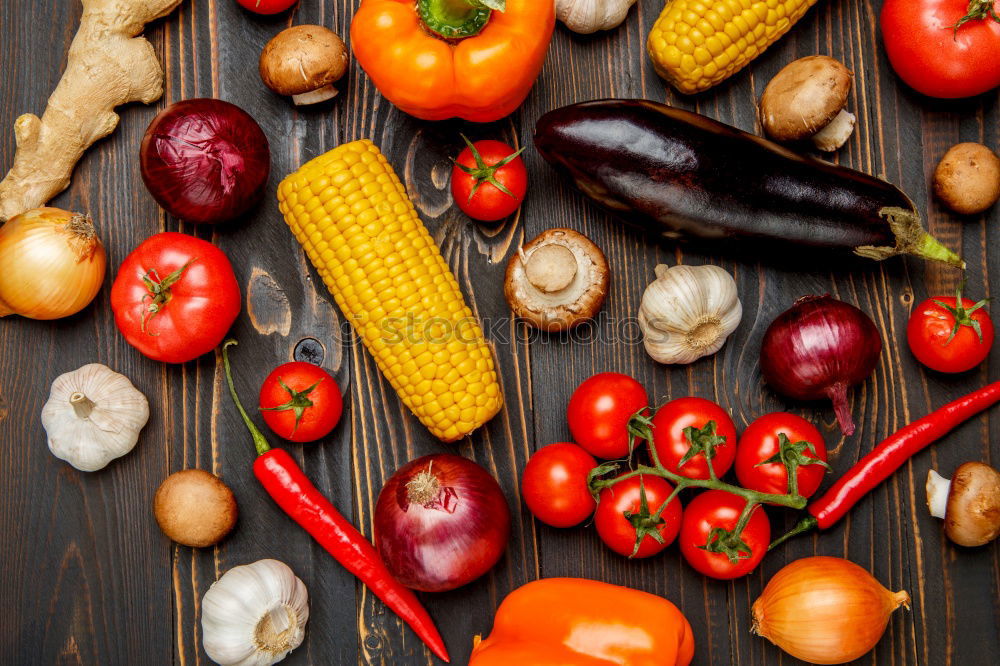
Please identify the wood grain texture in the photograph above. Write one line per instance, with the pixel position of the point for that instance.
(90, 579)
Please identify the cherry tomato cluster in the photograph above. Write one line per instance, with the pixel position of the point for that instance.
(780, 459)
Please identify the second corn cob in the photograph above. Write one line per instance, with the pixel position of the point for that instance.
(352, 216)
(696, 44)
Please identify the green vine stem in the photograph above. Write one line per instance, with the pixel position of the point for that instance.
(720, 540)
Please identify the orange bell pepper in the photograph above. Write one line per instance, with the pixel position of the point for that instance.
(482, 77)
(577, 622)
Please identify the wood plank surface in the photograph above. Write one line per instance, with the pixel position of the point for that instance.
(91, 580)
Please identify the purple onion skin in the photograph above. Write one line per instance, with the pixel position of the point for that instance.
(205, 160)
(450, 540)
(817, 349)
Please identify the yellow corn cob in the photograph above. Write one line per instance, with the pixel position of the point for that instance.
(696, 44)
(351, 213)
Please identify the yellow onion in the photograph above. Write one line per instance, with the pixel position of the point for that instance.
(825, 610)
(51, 264)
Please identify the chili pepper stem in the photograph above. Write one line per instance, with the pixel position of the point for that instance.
(807, 524)
(259, 441)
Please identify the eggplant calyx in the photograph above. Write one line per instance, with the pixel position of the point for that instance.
(911, 238)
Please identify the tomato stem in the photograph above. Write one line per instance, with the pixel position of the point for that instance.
(486, 173)
(962, 316)
(978, 10)
(158, 292)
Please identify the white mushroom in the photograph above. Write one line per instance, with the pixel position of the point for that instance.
(806, 100)
(557, 281)
(969, 503)
(304, 61)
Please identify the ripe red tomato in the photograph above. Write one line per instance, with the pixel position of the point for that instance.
(554, 484)
(300, 402)
(266, 6)
(599, 411)
(945, 337)
(175, 297)
(935, 59)
(673, 444)
(623, 514)
(489, 180)
(762, 440)
(714, 509)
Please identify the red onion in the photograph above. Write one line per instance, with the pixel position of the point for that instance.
(441, 521)
(205, 160)
(818, 348)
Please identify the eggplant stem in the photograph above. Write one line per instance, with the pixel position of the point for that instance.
(911, 238)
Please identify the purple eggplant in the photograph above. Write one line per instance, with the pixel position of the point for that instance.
(676, 173)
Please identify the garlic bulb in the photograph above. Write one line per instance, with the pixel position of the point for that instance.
(93, 416)
(254, 615)
(587, 16)
(688, 312)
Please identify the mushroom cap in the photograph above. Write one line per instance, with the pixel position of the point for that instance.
(195, 508)
(973, 513)
(967, 179)
(302, 59)
(557, 280)
(804, 97)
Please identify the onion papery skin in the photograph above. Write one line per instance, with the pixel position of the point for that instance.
(205, 160)
(456, 537)
(52, 264)
(825, 610)
(819, 348)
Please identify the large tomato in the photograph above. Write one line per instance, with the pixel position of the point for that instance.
(300, 402)
(555, 484)
(949, 338)
(599, 412)
(684, 428)
(175, 297)
(776, 437)
(706, 523)
(625, 517)
(934, 58)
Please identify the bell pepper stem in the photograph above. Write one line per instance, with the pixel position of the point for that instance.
(456, 19)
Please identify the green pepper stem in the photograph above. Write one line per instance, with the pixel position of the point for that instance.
(259, 441)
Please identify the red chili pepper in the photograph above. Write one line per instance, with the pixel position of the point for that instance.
(888, 456)
(288, 485)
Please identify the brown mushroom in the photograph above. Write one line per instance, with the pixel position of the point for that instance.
(967, 179)
(304, 61)
(195, 508)
(806, 100)
(557, 280)
(969, 503)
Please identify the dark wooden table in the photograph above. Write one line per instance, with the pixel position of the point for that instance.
(90, 579)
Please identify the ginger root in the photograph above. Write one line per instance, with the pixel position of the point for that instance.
(108, 65)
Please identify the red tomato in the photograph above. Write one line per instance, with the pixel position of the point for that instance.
(622, 515)
(672, 443)
(300, 402)
(718, 509)
(554, 484)
(266, 6)
(932, 57)
(944, 337)
(489, 180)
(762, 440)
(599, 411)
(175, 297)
